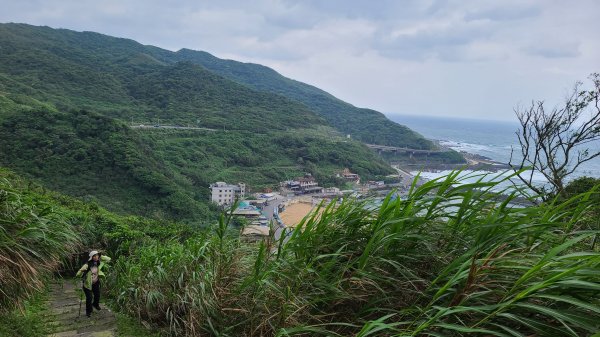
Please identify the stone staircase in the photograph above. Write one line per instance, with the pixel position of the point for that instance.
(63, 317)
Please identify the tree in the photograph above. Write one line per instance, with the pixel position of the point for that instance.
(556, 143)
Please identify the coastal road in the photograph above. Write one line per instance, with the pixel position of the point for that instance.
(407, 178)
(269, 209)
(174, 127)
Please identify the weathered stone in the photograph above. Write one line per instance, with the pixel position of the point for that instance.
(64, 319)
(70, 333)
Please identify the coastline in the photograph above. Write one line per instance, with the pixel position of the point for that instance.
(474, 162)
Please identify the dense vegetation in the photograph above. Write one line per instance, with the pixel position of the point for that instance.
(42, 232)
(452, 258)
(67, 98)
(260, 159)
(448, 260)
(125, 79)
(96, 158)
(366, 125)
(33, 240)
(113, 77)
(161, 173)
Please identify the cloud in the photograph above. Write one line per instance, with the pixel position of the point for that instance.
(454, 57)
(429, 39)
(560, 50)
(517, 11)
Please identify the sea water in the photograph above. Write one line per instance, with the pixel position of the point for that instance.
(492, 139)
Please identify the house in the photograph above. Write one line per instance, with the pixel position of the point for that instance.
(254, 233)
(332, 192)
(307, 181)
(303, 185)
(291, 184)
(225, 194)
(246, 212)
(375, 184)
(349, 176)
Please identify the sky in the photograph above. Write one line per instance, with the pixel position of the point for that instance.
(468, 58)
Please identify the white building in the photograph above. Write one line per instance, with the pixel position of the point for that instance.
(306, 181)
(224, 194)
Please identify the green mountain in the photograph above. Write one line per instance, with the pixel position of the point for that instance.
(95, 158)
(365, 125)
(117, 77)
(67, 99)
(128, 79)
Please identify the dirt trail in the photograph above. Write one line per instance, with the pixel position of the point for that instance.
(63, 319)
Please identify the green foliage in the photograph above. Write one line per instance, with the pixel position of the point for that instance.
(89, 155)
(26, 321)
(582, 185)
(365, 125)
(34, 239)
(118, 78)
(59, 93)
(169, 283)
(592, 187)
(259, 159)
(125, 79)
(131, 327)
(448, 260)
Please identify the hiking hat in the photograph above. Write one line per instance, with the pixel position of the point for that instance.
(92, 253)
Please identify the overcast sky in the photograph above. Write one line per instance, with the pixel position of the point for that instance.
(448, 58)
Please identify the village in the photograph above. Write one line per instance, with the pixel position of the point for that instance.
(269, 212)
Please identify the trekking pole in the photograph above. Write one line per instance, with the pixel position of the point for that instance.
(80, 300)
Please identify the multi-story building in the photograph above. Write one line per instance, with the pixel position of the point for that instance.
(349, 176)
(225, 194)
(301, 185)
(306, 182)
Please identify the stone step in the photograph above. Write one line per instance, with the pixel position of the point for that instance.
(73, 333)
(64, 319)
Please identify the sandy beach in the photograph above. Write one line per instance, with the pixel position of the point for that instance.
(294, 213)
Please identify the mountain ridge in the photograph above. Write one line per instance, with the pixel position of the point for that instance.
(67, 101)
(366, 125)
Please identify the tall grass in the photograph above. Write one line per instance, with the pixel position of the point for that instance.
(34, 240)
(452, 258)
(185, 286)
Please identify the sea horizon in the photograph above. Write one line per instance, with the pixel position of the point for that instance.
(490, 138)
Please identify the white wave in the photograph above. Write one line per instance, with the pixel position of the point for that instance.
(470, 176)
(467, 147)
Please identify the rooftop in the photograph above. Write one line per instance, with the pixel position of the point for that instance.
(223, 184)
(256, 230)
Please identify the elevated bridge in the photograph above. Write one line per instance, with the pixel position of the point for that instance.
(386, 148)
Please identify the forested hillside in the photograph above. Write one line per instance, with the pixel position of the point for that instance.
(67, 100)
(118, 78)
(367, 125)
(159, 173)
(128, 80)
(95, 158)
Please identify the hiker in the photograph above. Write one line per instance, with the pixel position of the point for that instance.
(90, 274)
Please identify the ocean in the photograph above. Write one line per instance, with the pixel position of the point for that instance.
(492, 139)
